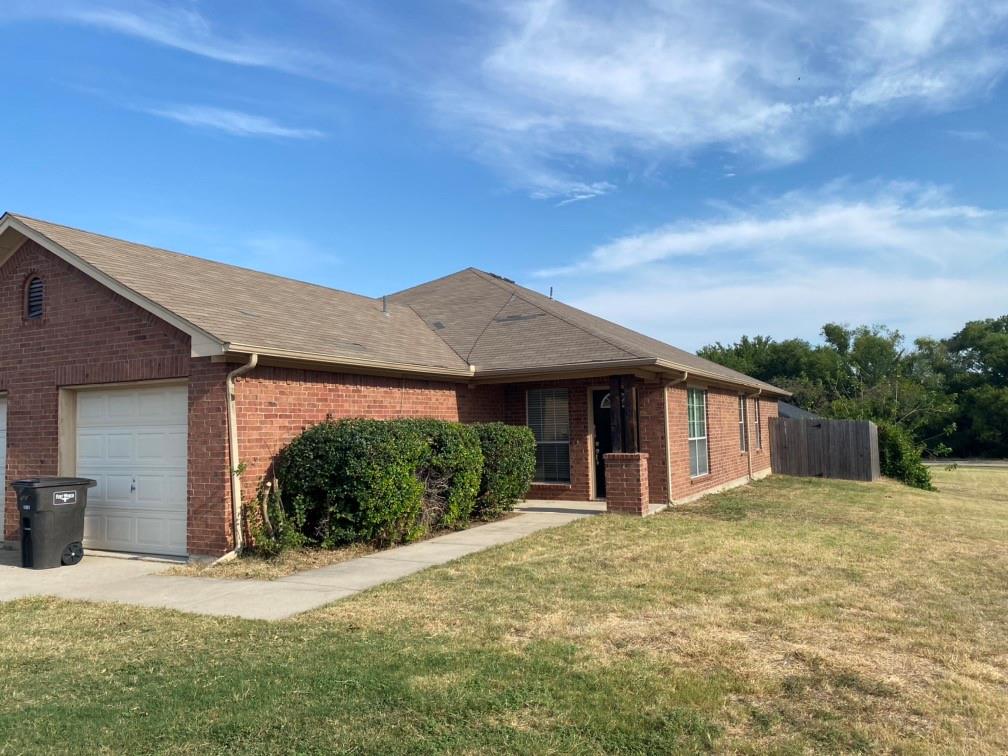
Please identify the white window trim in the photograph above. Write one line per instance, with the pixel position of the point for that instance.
(566, 443)
(743, 423)
(705, 437)
(758, 424)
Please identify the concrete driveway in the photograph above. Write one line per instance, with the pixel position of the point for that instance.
(137, 581)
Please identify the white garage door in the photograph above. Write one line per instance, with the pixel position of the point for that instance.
(133, 442)
(3, 462)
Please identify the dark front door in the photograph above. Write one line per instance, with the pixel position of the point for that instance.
(603, 437)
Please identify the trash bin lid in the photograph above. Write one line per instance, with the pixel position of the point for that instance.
(53, 482)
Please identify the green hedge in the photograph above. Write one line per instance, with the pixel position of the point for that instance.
(508, 467)
(354, 480)
(900, 457)
(450, 470)
(393, 481)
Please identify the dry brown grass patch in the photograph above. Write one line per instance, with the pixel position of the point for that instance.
(252, 567)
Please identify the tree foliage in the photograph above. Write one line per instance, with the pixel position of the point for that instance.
(948, 395)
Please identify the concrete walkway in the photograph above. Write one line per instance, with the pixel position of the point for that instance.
(136, 581)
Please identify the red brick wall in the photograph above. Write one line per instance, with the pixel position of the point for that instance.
(727, 462)
(627, 484)
(276, 404)
(88, 335)
(651, 432)
(210, 522)
(91, 335)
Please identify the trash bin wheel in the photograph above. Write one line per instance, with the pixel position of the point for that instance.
(73, 553)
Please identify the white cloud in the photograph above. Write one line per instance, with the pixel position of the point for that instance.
(560, 96)
(693, 310)
(576, 87)
(187, 29)
(233, 122)
(904, 254)
(907, 223)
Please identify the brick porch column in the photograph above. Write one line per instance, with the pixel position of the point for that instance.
(626, 479)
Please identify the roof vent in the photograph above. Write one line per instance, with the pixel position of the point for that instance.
(501, 278)
(438, 325)
(516, 318)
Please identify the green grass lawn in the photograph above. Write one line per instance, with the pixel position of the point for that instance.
(785, 617)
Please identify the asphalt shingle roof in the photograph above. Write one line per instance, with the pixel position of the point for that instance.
(496, 324)
(249, 308)
(469, 318)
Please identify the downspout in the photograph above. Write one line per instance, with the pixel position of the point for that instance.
(668, 438)
(748, 446)
(232, 420)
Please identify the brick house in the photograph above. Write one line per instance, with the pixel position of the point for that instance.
(174, 381)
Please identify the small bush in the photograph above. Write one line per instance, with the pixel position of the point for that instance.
(900, 457)
(354, 480)
(270, 529)
(451, 470)
(508, 467)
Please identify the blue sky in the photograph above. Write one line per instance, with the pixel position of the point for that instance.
(697, 170)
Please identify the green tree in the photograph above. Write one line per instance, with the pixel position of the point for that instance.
(976, 368)
(864, 372)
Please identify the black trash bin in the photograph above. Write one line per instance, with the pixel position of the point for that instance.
(51, 513)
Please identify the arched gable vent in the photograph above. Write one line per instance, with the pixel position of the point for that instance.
(34, 298)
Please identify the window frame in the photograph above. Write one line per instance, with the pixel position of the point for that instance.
(561, 443)
(693, 441)
(743, 424)
(758, 424)
(26, 311)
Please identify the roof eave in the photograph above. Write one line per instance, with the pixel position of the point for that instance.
(720, 379)
(203, 343)
(608, 367)
(380, 366)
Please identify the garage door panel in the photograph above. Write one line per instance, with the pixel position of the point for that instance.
(166, 404)
(118, 490)
(165, 447)
(177, 447)
(134, 443)
(150, 489)
(120, 448)
(91, 406)
(178, 488)
(158, 533)
(90, 448)
(123, 405)
(119, 528)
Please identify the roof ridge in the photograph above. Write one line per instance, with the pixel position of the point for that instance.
(193, 257)
(591, 332)
(486, 327)
(424, 284)
(435, 332)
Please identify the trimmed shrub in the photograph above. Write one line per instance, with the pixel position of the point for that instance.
(354, 480)
(900, 457)
(451, 470)
(508, 467)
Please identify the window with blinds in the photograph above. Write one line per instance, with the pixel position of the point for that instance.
(549, 419)
(696, 414)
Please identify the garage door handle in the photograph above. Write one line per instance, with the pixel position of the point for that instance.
(133, 486)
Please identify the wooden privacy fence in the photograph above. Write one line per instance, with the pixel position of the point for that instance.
(821, 448)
